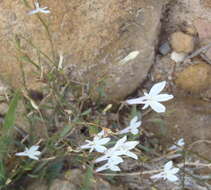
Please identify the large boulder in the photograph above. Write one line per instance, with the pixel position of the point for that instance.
(93, 35)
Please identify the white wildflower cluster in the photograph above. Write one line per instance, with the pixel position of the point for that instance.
(113, 156)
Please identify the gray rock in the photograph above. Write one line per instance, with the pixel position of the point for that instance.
(165, 48)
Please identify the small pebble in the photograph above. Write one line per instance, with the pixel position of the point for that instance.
(165, 48)
(178, 57)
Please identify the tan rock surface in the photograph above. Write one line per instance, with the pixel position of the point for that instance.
(93, 36)
(182, 42)
(195, 78)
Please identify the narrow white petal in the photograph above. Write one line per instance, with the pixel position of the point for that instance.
(114, 168)
(181, 142)
(36, 153)
(172, 178)
(156, 106)
(103, 141)
(100, 149)
(131, 155)
(86, 146)
(173, 147)
(104, 167)
(174, 170)
(134, 120)
(45, 11)
(33, 157)
(101, 158)
(168, 165)
(134, 131)
(130, 145)
(121, 141)
(157, 176)
(163, 97)
(124, 131)
(32, 12)
(21, 154)
(136, 125)
(34, 148)
(136, 100)
(157, 88)
(115, 160)
(146, 105)
(101, 133)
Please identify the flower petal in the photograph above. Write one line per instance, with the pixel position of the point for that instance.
(101, 158)
(157, 176)
(174, 170)
(130, 145)
(163, 97)
(156, 106)
(21, 154)
(33, 157)
(131, 155)
(134, 131)
(124, 131)
(172, 178)
(157, 88)
(34, 148)
(103, 141)
(104, 167)
(146, 105)
(168, 165)
(114, 168)
(100, 149)
(136, 100)
(134, 120)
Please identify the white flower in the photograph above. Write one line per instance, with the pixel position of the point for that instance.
(120, 148)
(133, 127)
(38, 9)
(111, 164)
(168, 173)
(97, 143)
(180, 143)
(153, 98)
(31, 152)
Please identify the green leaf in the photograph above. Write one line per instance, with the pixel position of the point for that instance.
(5, 139)
(88, 179)
(8, 125)
(66, 130)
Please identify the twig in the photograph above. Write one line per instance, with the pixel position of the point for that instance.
(205, 58)
(198, 51)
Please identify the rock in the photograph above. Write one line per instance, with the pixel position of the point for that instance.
(189, 118)
(203, 27)
(190, 29)
(194, 78)
(92, 35)
(178, 57)
(57, 184)
(181, 42)
(165, 48)
(3, 108)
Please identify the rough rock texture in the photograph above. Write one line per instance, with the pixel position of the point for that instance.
(195, 78)
(93, 36)
(182, 42)
(189, 118)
